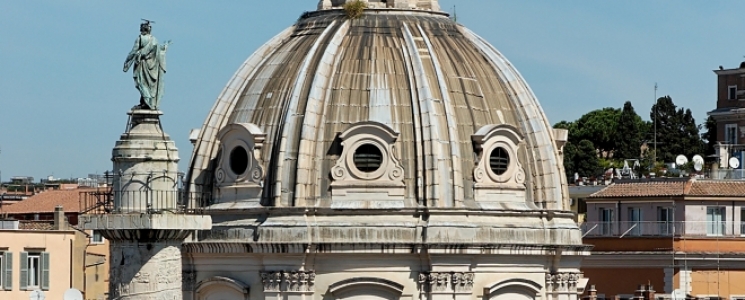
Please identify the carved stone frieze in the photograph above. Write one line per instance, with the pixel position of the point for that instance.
(272, 281)
(459, 282)
(462, 282)
(562, 282)
(293, 281)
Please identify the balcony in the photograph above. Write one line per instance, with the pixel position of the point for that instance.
(143, 202)
(708, 229)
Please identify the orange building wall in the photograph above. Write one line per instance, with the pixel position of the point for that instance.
(722, 283)
(629, 244)
(711, 245)
(615, 281)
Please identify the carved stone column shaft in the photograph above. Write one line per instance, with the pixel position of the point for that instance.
(144, 271)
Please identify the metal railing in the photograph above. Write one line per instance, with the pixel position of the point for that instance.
(737, 174)
(663, 229)
(148, 201)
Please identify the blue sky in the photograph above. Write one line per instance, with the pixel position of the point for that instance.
(64, 98)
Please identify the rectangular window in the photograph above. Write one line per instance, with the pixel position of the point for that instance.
(665, 220)
(730, 133)
(732, 92)
(635, 218)
(2, 270)
(606, 221)
(35, 271)
(6, 271)
(715, 220)
(96, 238)
(742, 221)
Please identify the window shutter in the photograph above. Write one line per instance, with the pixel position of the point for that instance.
(7, 271)
(24, 271)
(45, 271)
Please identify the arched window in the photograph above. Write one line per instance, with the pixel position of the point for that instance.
(221, 288)
(366, 288)
(513, 289)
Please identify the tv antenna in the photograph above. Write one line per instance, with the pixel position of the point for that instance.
(146, 21)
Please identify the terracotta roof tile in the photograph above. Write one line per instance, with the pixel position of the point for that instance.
(732, 188)
(46, 201)
(36, 225)
(673, 187)
(657, 188)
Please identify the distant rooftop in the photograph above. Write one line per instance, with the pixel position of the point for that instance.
(664, 187)
(46, 201)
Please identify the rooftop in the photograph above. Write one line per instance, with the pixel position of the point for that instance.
(672, 187)
(46, 202)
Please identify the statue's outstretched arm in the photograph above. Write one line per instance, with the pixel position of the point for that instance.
(133, 55)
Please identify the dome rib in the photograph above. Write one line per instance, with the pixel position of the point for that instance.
(456, 178)
(206, 146)
(545, 190)
(431, 128)
(313, 119)
(289, 143)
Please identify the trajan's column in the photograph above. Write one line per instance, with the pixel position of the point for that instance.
(146, 216)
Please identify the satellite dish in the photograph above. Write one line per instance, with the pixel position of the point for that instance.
(698, 162)
(72, 294)
(678, 295)
(36, 295)
(681, 160)
(734, 163)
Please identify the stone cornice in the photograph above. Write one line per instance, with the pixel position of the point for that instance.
(412, 211)
(463, 249)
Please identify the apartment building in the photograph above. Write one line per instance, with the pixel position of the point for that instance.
(678, 234)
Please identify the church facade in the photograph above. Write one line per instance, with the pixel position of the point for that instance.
(394, 155)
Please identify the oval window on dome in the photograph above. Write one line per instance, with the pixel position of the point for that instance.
(368, 158)
(238, 160)
(499, 160)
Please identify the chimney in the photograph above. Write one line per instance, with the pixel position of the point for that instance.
(59, 218)
(639, 294)
(592, 293)
(649, 293)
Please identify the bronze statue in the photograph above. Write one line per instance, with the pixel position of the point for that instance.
(149, 60)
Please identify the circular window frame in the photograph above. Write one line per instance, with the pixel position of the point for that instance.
(512, 157)
(372, 147)
(506, 156)
(359, 174)
(230, 160)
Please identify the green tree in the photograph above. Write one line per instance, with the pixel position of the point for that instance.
(710, 136)
(586, 159)
(597, 127)
(676, 131)
(628, 133)
(581, 159)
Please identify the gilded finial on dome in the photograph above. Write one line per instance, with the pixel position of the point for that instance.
(397, 4)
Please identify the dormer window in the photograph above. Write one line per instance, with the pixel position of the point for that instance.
(239, 174)
(732, 92)
(499, 177)
(368, 169)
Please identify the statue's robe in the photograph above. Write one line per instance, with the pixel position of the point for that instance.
(149, 67)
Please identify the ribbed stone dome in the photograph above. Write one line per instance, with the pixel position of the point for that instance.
(439, 91)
